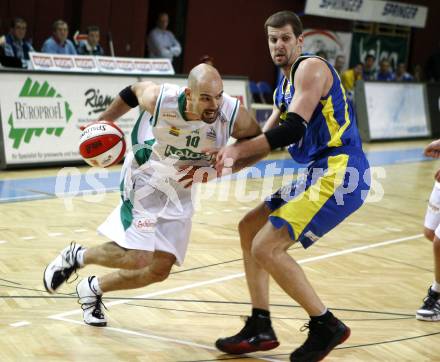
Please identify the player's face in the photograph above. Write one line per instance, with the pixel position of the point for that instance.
(284, 46)
(204, 102)
(208, 104)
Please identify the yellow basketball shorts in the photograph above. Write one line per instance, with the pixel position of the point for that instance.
(334, 186)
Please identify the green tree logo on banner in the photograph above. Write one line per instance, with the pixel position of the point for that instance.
(34, 90)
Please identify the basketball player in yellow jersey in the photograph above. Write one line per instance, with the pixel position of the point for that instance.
(150, 228)
(312, 116)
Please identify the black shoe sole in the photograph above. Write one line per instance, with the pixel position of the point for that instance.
(244, 347)
(101, 324)
(330, 348)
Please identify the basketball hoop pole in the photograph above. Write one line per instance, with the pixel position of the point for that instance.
(110, 44)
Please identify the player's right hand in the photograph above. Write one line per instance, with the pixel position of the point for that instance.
(433, 149)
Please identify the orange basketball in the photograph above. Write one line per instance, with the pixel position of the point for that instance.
(102, 144)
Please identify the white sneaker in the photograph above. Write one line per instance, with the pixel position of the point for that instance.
(91, 303)
(59, 270)
(430, 310)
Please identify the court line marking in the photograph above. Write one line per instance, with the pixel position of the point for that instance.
(20, 324)
(60, 316)
(3, 241)
(55, 234)
(80, 230)
(28, 237)
(239, 275)
(160, 338)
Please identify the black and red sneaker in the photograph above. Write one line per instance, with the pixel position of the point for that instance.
(323, 337)
(256, 335)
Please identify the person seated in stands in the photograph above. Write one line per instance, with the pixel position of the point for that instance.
(207, 59)
(322, 53)
(339, 63)
(369, 69)
(15, 45)
(58, 42)
(385, 73)
(91, 46)
(350, 77)
(402, 75)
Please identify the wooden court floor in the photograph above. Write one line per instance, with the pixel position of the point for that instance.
(373, 271)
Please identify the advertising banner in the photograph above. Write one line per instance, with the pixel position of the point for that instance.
(393, 48)
(388, 12)
(41, 113)
(333, 43)
(87, 63)
(396, 110)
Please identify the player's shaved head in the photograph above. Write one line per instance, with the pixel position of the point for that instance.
(203, 75)
(204, 93)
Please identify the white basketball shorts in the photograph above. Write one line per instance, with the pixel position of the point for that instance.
(432, 218)
(155, 218)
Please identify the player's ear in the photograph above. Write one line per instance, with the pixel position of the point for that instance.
(188, 94)
(301, 40)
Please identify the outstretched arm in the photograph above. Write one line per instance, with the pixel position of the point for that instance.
(144, 94)
(311, 83)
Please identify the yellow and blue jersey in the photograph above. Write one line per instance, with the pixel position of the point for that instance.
(338, 178)
(333, 123)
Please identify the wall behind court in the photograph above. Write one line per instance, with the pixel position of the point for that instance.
(230, 30)
(125, 18)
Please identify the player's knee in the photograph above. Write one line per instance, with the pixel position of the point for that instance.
(243, 225)
(262, 253)
(429, 234)
(160, 273)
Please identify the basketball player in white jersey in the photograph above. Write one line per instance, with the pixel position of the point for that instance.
(430, 310)
(150, 228)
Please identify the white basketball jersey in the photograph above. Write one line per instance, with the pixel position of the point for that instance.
(167, 134)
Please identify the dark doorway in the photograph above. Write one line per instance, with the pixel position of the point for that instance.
(176, 10)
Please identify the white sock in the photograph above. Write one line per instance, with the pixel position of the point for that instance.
(80, 257)
(435, 287)
(94, 285)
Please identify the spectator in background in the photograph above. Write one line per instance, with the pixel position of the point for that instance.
(58, 42)
(350, 77)
(161, 42)
(91, 45)
(385, 73)
(2, 39)
(418, 73)
(15, 46)
(207, 59)
(433, 66)
(322, 53)
(369, 69)
(339, 63)
(401, 74)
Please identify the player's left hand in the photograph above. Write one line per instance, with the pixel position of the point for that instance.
(189, 175)
(226, 157)
(437, 176)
